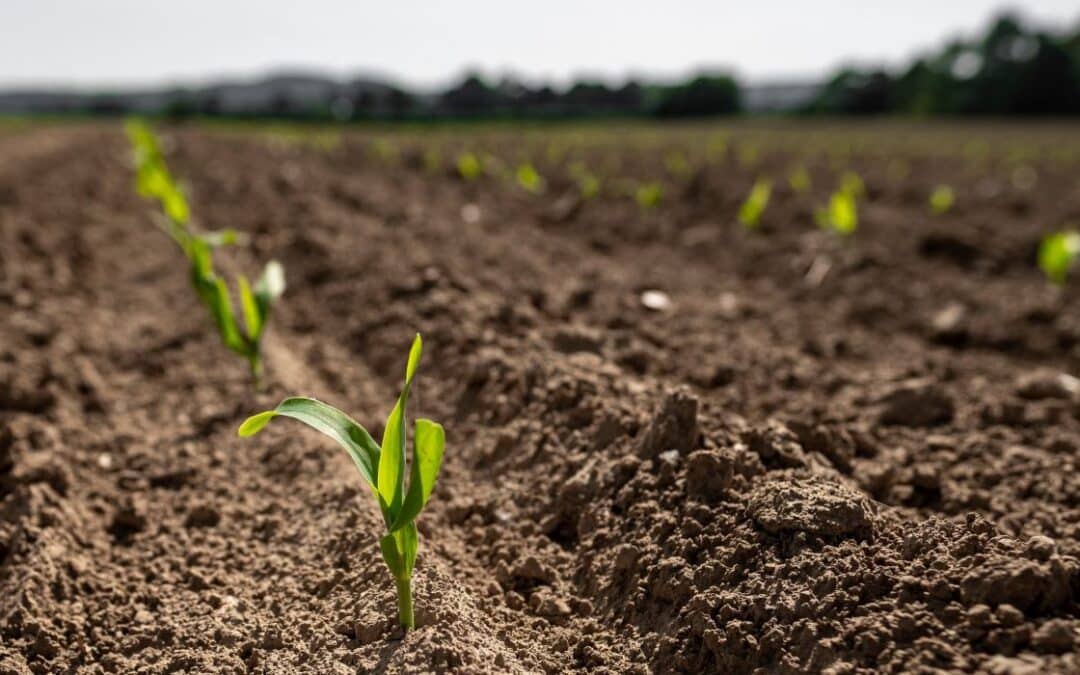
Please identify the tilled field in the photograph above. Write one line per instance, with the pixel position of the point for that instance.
(807, 455)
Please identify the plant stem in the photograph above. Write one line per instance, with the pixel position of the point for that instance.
(405, 608)
(256, 372)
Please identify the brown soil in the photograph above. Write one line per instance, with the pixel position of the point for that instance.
(822, 456)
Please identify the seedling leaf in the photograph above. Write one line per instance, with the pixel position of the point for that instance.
(400, 544)
(392, 459)
(429, 440)
(252, 312)
(329, 421)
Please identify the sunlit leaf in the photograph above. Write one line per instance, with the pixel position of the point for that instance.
(429, 440)
(327, 420)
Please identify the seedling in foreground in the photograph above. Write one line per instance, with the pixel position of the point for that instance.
(754, 206)
(383, 468)
(1057, 252)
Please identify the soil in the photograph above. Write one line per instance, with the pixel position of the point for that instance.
(673, 446)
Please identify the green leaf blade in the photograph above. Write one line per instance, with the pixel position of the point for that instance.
(429, 441)
(255, 423)
(252, 315)
(391, 485)
(329, 421)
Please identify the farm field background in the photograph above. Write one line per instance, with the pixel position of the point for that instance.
(674, 444)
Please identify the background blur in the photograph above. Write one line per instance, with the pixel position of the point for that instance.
(323, 60)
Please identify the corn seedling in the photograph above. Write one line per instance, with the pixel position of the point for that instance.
(587, 182)
(649, 195)
(678, 167)
(751, 209)
(1057, 252)
(386, 151)
(530, 179)
(748, 155)
(154, 181)
(717, 148)
(841, 215)
(383, 469)
(468, 165)
(799, 180)
(941, 199)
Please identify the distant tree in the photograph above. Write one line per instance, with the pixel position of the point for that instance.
(853, 92)
(472, 96)
(702, 96)
(1009, 71)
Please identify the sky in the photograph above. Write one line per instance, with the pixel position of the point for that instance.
(108, 43)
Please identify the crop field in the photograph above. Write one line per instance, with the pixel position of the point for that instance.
(770, 396)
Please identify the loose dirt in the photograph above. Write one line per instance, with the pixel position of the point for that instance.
(803, 455)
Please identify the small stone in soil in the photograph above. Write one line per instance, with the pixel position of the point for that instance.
(657, 301)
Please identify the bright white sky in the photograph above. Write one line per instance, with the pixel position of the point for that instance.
(427, 43)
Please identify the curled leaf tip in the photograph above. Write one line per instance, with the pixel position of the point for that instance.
(255, 423)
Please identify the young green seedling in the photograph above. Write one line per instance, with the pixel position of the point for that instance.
(383, 469)
(469, 166)
(1057, 252)
(799, 180)
(530, 179)
(941, 199)
(587, 182)
(649, 195)
(677, 165)
(751, 210)
(153, 180)
(841, 215)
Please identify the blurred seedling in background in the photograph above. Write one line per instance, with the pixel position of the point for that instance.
(717, 147)
(386, 151)
(942, 199)
(382, 468)
(587, 182)
(154, 181)
(678, 167)
(1057, 253)
(841, 215)
(751, 209)
(530, 179)
(649, 195)
(748, 155)
(469, 166)
(799, 180)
